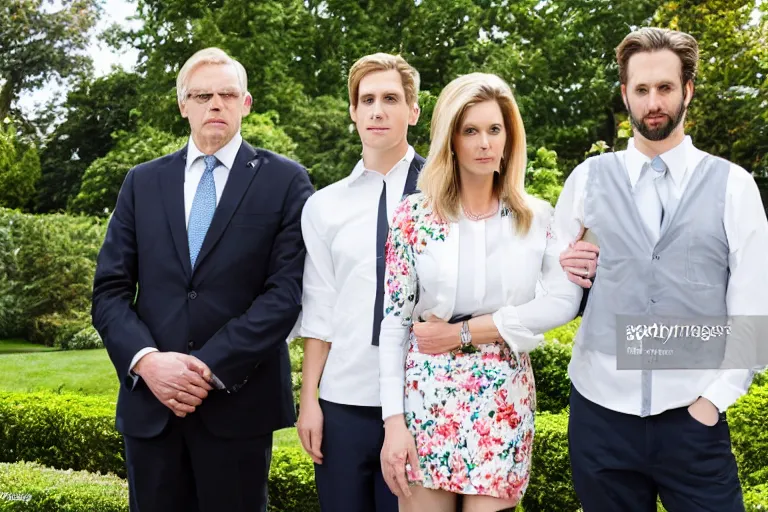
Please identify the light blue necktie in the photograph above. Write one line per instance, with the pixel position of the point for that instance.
(203, 207)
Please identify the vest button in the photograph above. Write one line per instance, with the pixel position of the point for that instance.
(656, 256)
(653, 301)
(192, 295)
(191, 345)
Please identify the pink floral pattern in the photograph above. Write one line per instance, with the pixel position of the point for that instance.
(413, 224)
(472, 415)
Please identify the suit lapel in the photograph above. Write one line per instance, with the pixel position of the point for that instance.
(246, 166)
(413, 175)
(172, 189)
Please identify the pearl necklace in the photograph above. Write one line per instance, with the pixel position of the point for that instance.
(482, 216)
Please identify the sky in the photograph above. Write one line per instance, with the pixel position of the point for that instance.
(115, 11)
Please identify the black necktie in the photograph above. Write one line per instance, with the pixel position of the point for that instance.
(382, 230)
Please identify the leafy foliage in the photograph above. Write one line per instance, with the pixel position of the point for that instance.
(46, 272)
(749, 435)
(543, 179)
(103, 178)
(19, 168)
(550, 371)
(37, 488)
(729, 112)
(27, 33)
(93, 112)
(551, 487)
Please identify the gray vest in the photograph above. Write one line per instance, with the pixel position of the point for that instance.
(683, 275)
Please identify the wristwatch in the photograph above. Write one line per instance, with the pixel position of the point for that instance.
(466, 339)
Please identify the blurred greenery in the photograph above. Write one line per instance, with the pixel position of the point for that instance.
(559, 58)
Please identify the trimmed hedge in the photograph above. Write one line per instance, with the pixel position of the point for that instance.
(77, 432)
(292, 482)
(550, 372)
(31, 487)
(62, 431)
(756, 498)
(550, 488)
(749, 435)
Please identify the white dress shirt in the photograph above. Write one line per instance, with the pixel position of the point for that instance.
(193, 172)
(594, 374)
(339, 228)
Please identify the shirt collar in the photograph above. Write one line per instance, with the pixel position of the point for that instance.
(225, 155)
(361, 170)
(678, 160)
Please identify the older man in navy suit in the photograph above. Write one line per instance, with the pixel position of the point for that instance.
(197, 287)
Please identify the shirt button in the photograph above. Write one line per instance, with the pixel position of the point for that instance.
(192, 295)
(656, 256)
(653, 301)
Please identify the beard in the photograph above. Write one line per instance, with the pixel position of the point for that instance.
(662, 131)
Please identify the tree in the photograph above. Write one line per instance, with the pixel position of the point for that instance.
(104, 177)
(542, 177)
(37, 43)
(93, 112)
(19, 168)
(728, 115)
(265, 36)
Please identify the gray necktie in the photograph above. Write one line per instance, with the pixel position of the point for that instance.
(662, 185)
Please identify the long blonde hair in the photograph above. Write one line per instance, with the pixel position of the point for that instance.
(439, 180)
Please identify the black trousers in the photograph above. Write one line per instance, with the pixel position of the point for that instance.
(350, 479)
(187, 469)
(621, 463)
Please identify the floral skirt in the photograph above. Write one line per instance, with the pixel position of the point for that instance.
(472, 418)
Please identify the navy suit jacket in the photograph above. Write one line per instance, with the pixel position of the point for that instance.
(234, 311)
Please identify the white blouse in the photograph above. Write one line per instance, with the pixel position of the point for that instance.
(441, 269)
(480, 258)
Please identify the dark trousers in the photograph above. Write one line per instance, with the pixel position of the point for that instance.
(621, 463)
(187, 469)
(350, 479)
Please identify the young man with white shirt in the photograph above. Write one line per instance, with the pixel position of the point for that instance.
(345, 226)
(682, 234)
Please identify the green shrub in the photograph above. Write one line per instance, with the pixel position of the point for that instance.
(756, 498)
(30, 487)
(103, 178)
(77, 432)
(565, 333)
(56, 329)
(550, 488)
(292, 482)
(73, 332)
(84, 339)
(550, 372)
(12, 321)
(61, 431)
(19, 168)
(749, 434)
(761, 379)
(296, 350)
(47, 264)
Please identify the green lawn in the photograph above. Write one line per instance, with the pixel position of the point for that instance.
(28, 367)
(89, 372)
(15, 346)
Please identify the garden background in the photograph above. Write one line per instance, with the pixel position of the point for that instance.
(61, 167)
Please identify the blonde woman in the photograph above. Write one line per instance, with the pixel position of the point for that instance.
(463, 260)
